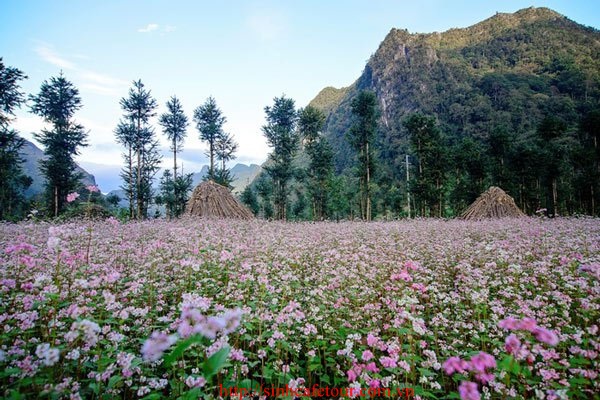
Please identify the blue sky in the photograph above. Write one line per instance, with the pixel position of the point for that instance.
(243, 53)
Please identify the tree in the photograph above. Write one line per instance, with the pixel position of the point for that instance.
(225, 148)
(320, 170)
(174, 123)
(12, 180)
(57, 103)
(281, 135)
(126, 134)
(361, 136)
(142, 146)
(209, 122)
(427, 145)
(553, 149)
(249, 198)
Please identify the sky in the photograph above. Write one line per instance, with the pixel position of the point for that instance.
(243, 53)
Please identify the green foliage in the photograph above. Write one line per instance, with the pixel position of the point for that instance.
(360, 136)
(489, 87)
(174, 123)
(142, 157)
(209, 121)
(57, 103)
(249, 198)
(282, 137)
(320, 169)
(12, 180)
(174, 193)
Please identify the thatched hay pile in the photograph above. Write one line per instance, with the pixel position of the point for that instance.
(493, 203)
(212, 200)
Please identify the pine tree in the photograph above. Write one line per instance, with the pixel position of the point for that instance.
(174, 124)
(143, 154)
(125, 134)
(320, 170)
(57, 103)
(12, 180)
(281, 135)
(361, 136)
(209, 122)
(225, 149)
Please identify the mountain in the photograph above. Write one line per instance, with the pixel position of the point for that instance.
(504, 74)
(31, 155)
(243, 175)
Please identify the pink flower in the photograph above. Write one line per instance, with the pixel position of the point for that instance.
(512, 344)
(372, 339)
(351, 375)
(468, 391)
(389, 362)
(545, 336)
(371, 367)
(455, 364)
(92, 188)
(192, 382)
(527, 324)
(71, 197)
(367, 355)
(154, 347)
(509, 323)
(481, 361)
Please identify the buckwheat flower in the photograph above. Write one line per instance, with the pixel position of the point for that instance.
(71, 197)
(47, 355)
(509, 323)
(455, 364)
(261, 354)
(469, 391)
(367, 355)
(372, 340)
(285, 368)
(545, 336)
(351, 375)
(92, 188)
(389, 362)
(210, 327)
(154, 347)
(527, 324)
(193, 382)
(232, 320)
(512, 344)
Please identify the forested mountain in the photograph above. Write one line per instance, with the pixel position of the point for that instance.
(515, 102)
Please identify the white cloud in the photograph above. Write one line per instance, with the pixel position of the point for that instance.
(148, 28)
(88, 80)
(169, 28)
(50, 56)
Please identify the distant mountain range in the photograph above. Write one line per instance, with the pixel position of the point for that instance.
(32, 155)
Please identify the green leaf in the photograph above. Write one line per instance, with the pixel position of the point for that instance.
(114, 380)
(215, 362)
(194, 394)
(181, 347)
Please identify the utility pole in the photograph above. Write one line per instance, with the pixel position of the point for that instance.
(407, 188)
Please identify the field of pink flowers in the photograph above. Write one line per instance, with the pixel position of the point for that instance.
(450, 309)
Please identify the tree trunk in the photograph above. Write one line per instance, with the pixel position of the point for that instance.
(139, 171)
(174, 160)
(131, 215)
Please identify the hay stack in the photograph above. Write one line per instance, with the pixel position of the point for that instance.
(493, 203)
(212, 200)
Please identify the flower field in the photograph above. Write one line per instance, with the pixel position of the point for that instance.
(158, 309)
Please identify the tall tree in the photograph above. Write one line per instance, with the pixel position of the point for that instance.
(427, 144)
(320, 170)
(174, 123)
(361, 136)
(552, 144)
(125, 134)
(57, 103)
(225, 149)
(282, 137)
(209, 122)
(12, 180)
(138, 108)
